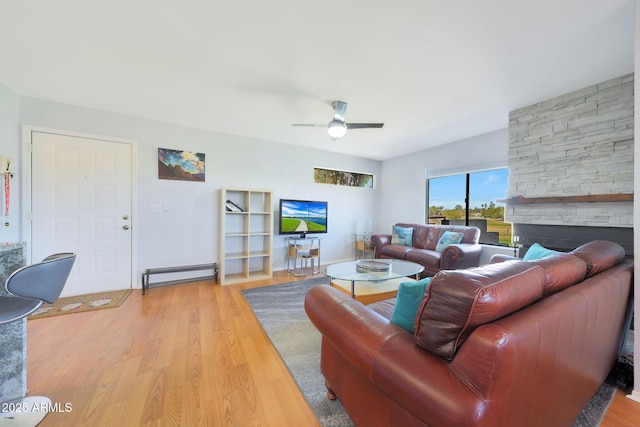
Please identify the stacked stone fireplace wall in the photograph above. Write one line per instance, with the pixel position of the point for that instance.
(577, 144)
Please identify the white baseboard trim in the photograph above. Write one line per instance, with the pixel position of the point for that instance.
(635, 395)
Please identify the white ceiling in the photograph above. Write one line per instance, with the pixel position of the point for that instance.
(434, 71)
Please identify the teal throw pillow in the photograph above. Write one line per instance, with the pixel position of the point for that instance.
(448, 238)
(408, 300)
(402, 236)
(537, 251)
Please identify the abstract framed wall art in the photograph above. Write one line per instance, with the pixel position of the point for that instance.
(180, 165)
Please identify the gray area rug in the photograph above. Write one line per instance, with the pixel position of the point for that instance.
(596, 408)
(280, 311)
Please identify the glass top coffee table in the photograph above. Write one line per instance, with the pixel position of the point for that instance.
(372, 270)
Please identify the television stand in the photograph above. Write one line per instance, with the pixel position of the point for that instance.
(301, 250)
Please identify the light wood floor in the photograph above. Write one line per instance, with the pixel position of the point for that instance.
(184, 355)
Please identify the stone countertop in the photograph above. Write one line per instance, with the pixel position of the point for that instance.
(12, 257)
(8, 246)
(13, 335)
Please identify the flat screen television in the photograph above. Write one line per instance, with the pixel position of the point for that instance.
(303, 217)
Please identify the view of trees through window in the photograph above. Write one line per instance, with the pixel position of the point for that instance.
(448, 203)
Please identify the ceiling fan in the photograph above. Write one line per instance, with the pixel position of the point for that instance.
(338, 127)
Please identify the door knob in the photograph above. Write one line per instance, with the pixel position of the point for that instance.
(125, 227)
(125, 216)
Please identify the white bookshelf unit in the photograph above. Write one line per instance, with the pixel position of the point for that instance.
(246, 234)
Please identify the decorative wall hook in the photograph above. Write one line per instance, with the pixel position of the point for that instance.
(5, 170)
(5, 164)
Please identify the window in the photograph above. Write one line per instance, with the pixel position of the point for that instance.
(472, 199)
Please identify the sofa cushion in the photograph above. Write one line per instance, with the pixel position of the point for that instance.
(432, 237)
(425, 236)
(394, 251)
(537, 251)
(448, 238)
(458, 301)
(408, 300)
(402, 236)
(599, 255)
(424, 257)
(561, 270)
(384, 308)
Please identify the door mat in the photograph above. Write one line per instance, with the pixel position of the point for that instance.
(80, 303)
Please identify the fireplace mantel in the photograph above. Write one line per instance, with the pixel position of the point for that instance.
(627, 197)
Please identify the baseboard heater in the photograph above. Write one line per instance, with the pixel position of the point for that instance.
(181, 269)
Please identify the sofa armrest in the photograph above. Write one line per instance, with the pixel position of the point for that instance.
(495, 258)
(379, 240)
(333, 314)
(387, 357)
(462, 255)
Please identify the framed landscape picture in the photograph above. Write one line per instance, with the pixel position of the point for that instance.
(338, 177)
(180, 165)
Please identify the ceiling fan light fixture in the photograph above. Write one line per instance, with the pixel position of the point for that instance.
(337, 129)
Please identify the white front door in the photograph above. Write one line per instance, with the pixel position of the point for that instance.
(81, 199)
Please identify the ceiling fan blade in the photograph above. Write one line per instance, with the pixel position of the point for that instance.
(337, 127)
(341, 110)
(364, 125)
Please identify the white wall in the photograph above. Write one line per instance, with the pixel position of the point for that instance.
(9, 147)
(187, 233)
(403, 189)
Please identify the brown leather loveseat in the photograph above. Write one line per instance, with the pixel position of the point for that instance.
(515, 343)
(423, 251)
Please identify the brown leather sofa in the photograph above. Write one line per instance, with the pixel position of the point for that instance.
(423, 250)
(515, 343)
